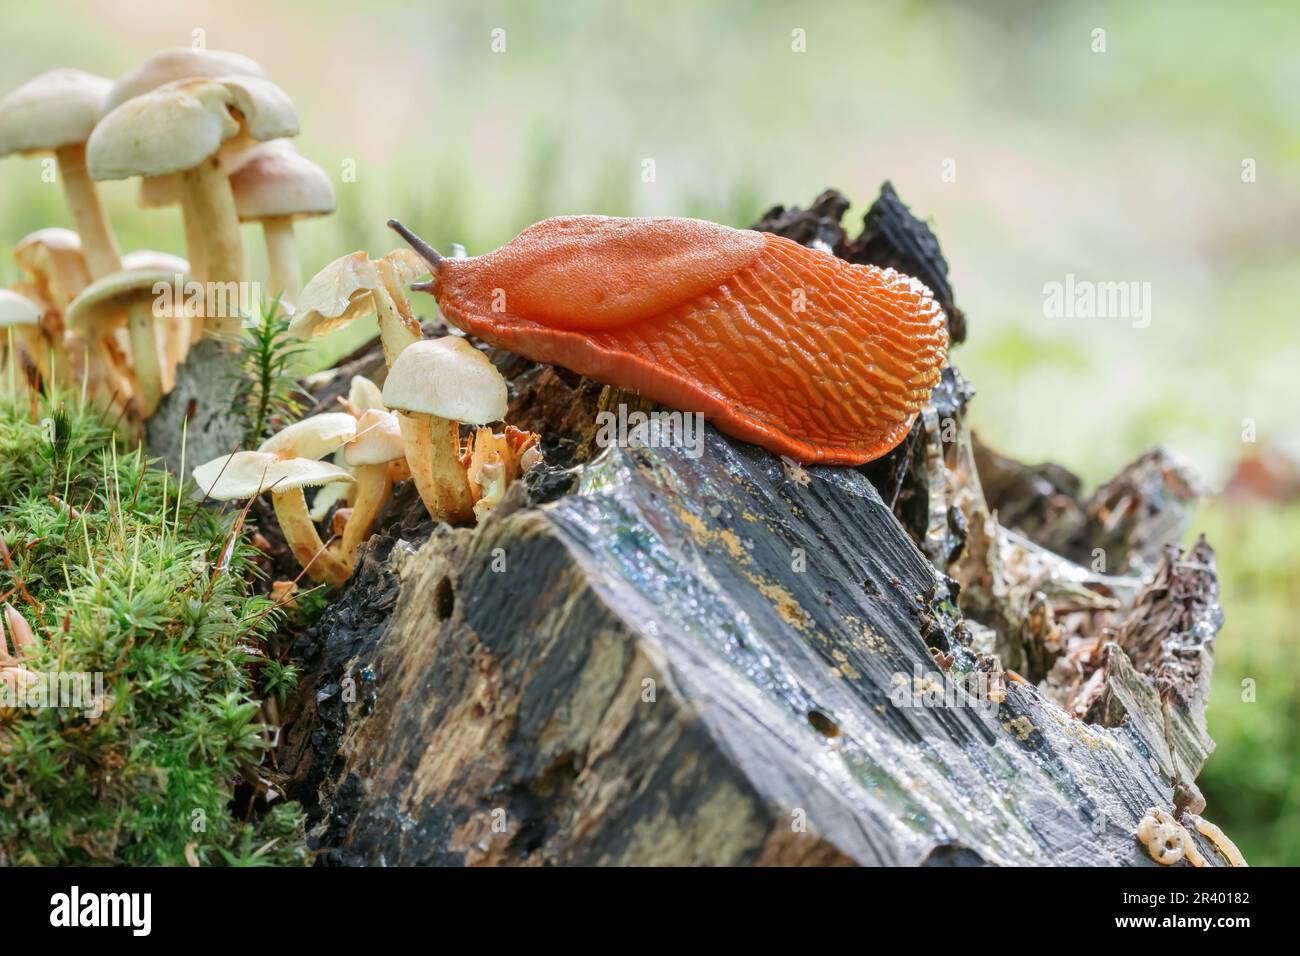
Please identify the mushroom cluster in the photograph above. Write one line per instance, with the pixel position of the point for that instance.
(411, 429)
(202, 129)
(208, 132)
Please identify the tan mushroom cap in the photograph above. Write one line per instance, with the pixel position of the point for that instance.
(178, 63)
(101, 305)
(58, 108)
(449, 378)
(54, 260)
(378, 440)
(17, 309)
(344, 290)
(274, 179)
(313, 437)
(177, 126)
(248, 473)
(152, 259)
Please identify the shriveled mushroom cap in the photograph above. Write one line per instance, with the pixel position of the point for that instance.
(274, 179)
(177, 126)
(248, 473)
(313, 437)
(378, 441)
(58, 108)
(344, 290)
(449, 378)
(53, 258)
(17, 309)
(178, 63)
(100, 305)
(160, 261)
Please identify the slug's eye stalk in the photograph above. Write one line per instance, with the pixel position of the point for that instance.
(429, 254)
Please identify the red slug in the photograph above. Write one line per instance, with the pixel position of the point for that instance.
(792, 349)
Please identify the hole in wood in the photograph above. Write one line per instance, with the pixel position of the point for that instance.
(444, 599)
(823, 724)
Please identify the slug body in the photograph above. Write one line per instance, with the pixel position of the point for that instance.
(792, 349)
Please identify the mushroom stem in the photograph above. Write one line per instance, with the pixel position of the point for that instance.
(397, 327)
(97, 240)
(32, 340)
(282, 257)
(433, 451)
(194, 252)
(214, 212)
(373, 487)
(144, 357)
(303, 540)
(111, 376)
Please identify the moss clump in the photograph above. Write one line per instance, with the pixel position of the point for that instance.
(120, 577)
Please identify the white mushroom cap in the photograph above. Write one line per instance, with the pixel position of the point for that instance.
(344, 290)
(313, 437)
(159, 261)
(53, 237)
(364, 394)
(177, 126)
(100, 306)
(53, 258)
(274, 179)
(378, 440)
(179, 63)
(58, 108)
(449, 378)
(248, 473)
(17, 309)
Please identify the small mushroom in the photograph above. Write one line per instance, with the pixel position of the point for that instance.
(56, 112)
(168, 66)
(436, 384)
(492, 461)
(20, 323)
(363, 394)
(275, 185)
(354, 286)
(180, 128)
(285, 464)
(127, 297)
(174, 329)
(377, 443)
(53, 260)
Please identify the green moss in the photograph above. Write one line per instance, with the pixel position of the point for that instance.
(1250, 783)
(124, 581)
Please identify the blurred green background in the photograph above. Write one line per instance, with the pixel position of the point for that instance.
(1035, 153)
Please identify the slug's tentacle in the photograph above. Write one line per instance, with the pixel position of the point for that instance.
(426, 252)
